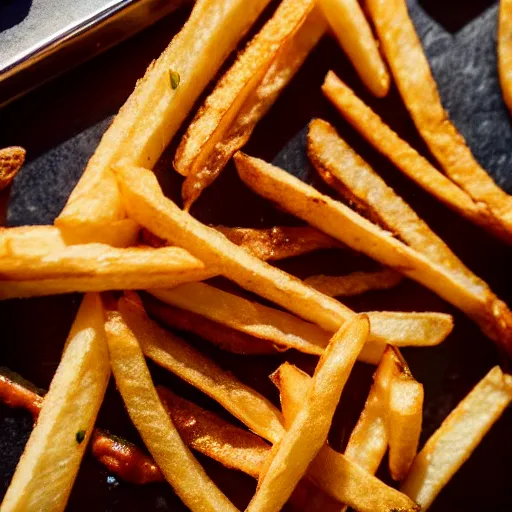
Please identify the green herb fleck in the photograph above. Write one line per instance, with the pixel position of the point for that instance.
(80, 436)
(175, 79)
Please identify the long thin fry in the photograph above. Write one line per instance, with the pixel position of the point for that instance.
(146, 204)
(403, 51)
(216, 117)
(355, 283)
(179, 357)
(177, 464)
(50, 462)
(333, 472)
(354, 35)
(339, 221)
(455, 440)
(405, 157)
(154, 111)
(289, 459)
(505, 50)
(92, 267)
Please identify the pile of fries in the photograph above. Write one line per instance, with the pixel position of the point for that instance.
(142, 262)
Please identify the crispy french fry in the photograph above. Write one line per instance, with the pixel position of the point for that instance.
(160, 436)
(11, 161)
(210, 435)
(289, 460)
(92, 267)
(505, 50)
(355, 283)
(154, 111)
(339, 221)
(406, 158)
(455, 440)
(220, 335)
(51, 459)
(30, 240)
(177, 356)
(198, 156)
(403, 51)
(354, 35)
(148, 206)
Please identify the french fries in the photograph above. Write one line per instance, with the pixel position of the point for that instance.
(163, 441)
(204, 149)
(403, 52)
(455, 440)
(505, 50)
(355, 283)
(177, 356)
(11, 161)
(404, 157)
(51, 459)
(339, 221)
(92, 267)
(155, 110)
(308, 431)
(149, 207)
(354, 35)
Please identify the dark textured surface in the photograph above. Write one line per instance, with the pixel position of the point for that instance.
(60, 126)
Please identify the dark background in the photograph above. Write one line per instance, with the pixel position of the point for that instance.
(60, 125)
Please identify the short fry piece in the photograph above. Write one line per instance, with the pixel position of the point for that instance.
(354, 35)
(505, 50)
(50, 462)
(91, 267)
(403, 51)
(146, 204)
(307, 434)
(11, 161)
(177, 464)
(460, 433)
(194, 155)
(356, 283)
(179, 357)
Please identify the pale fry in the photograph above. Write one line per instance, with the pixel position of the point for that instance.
(155, 110)
(505, 50)
(51, 459)
(146, 204)
(458, 436)
(92, 267)
(354, 35)
(355, 283)
(11, 161)
(222, 107)
(308, 431)
(405, 157)
(160, 436)
(404, 52)
(339, 221)
(177, 356)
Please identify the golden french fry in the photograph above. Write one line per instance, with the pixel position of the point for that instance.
(50, 462)
(91, 267)
(505, 50)
(355, 283)
(339, 221)
(148, 206)
(30, 240)
(11, 161)
(155, 110)
(406, 158)
(403, 51)
(455, 440)
(179, 357)
(160, 436)
(289, 459)
(196, 156)
(354, 35)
